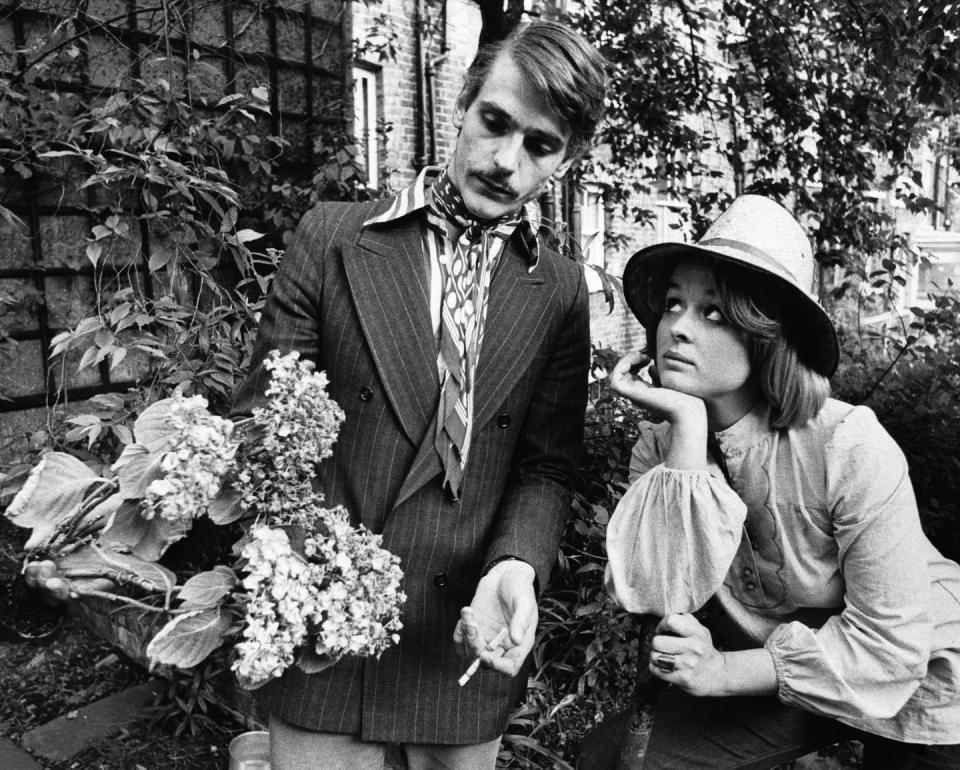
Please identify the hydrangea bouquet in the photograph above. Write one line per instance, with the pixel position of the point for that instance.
(302, 585)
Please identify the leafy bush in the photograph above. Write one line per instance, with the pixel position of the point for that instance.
(584, 659)
(909, 375)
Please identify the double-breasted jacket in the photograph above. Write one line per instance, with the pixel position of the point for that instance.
(355, 300)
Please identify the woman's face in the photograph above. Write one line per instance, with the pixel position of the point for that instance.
(698, 352)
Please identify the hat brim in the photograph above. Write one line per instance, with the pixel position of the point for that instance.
(817, 343)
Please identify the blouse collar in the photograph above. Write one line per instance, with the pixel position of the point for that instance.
(746, 432)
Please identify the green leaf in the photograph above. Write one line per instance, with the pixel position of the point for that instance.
(188, 639)
(53, 490)
(154, 428)
(159, 259)
(89, 358)
(243, 236)
(146, 538)
(98, 559)
(208, 588)
(312, 663)
(136, 468)
(123, 433)
(117, 356)
(225, 508)
(94, 250)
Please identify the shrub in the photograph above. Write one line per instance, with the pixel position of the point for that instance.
(909, 375)
(584, 659)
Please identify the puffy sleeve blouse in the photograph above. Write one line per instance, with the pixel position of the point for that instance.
(815, 551)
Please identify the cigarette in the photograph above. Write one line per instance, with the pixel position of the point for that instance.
(491, 646)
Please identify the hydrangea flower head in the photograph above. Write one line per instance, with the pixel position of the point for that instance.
(202, 451)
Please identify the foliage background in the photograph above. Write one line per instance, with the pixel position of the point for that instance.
(817, 104)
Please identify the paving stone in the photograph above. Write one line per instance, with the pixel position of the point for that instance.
(12, 757)
(816, 762)
(70, 734)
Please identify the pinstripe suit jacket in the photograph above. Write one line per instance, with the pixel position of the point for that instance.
(354, 300)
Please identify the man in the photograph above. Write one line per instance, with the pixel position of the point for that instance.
(457, 345)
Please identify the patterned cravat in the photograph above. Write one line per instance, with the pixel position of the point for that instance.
(466, 275)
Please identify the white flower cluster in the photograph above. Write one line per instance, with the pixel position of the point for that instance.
(295, 430)
(343, 595)
(359, 610)
(202, 453)
(300, 420)
(278, 597)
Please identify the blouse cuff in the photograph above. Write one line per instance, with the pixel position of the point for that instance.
(772, 645)
(804, 675)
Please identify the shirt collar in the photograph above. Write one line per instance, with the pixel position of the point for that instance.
(746, 432)
(414, 197)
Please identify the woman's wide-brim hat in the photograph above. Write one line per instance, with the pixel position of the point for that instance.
(757, 233)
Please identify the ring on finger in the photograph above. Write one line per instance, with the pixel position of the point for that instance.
(665, 662)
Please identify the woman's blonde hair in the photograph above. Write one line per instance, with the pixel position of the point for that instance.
(759, 306)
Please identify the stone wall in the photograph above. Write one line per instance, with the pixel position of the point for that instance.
(63, 58)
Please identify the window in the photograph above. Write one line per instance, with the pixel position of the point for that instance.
(941, 264)
(592, 232)
(669, 223)
(365, 123)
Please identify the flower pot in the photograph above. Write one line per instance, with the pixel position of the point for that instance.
(250, 751)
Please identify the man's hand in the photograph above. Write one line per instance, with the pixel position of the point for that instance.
(504, 598)
(56, 587)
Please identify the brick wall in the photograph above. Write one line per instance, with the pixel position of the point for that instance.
(450, 43)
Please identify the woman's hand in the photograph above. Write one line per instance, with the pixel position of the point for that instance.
(670, 404)
(686, 414)
(683, 654)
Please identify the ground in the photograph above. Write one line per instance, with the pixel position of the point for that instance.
(51, 665)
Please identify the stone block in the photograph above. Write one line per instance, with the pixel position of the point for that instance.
(17, 431)
(109, 63)
(290, 37)
(208, 25)
(70, 299)
(63, 241)
(22, 375)
(113, 12)
(12, 757)
(292, 91)
(250, 28)
(16, 251)
(327, 48)
(68, 735)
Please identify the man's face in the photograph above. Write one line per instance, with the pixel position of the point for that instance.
(510, 143)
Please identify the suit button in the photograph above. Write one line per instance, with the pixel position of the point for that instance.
(440, 580)
(503, 421)
(365, 394)
(749, 585)
(747, 572)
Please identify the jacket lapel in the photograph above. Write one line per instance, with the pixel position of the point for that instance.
(389, 283)
(517, 319)
(516, 322)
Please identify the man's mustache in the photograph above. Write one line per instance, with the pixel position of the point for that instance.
(500, 180)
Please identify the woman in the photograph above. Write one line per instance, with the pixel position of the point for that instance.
(792, 510)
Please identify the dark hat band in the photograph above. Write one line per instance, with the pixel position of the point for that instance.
(772, 265)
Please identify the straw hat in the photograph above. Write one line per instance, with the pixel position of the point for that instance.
(759, 234)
